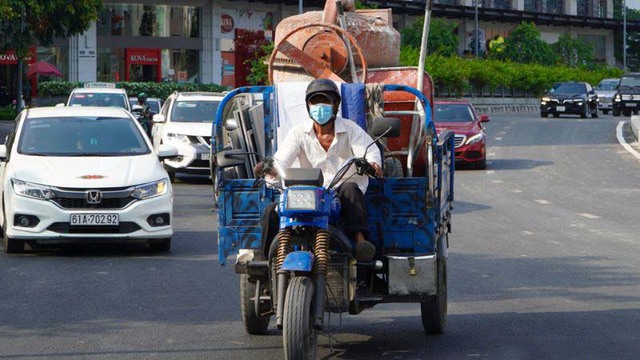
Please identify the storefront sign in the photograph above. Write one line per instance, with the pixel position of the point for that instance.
(143, 57)
(227, 23)
(10, 58)
(86, 54)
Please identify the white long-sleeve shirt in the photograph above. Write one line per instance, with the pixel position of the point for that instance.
(350, 140)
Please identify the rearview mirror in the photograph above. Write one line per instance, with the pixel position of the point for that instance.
(484, 118)
(380, 125)
(3, 152)
(167, 151)
(231, 125)
(158, 118)
(230, 158)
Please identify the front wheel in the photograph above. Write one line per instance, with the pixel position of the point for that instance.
(12, 246)
(298, 334)
(253, 323)
(160, 246)
(434, 310)
(615, 112)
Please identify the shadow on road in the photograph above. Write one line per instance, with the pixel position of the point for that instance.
(516, 164)
(463, 207)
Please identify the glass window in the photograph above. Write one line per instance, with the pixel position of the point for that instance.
(630, 81)
(569, 88)
(110, 64)
(81, 136)
(194, 111)
(453, 113)
(149, 20)
(98, 99)
(608, 84)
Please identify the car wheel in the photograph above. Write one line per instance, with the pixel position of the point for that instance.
(615, 112)
(482, 164)
(172, 176)
(556, 115)
(594, 114)
(605, 112)
(544, 114)
(160, 246)
(585, 110)
(627, 113)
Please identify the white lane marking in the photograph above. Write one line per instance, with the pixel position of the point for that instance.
(622, 142)
(498, 182)
(526, 232)
(491, 154)
(498, 138)
(517, 191)
(491, 171)
(503, 133)
(542, 202)
(589, 216)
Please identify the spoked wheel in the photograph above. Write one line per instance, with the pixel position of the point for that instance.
(318, 64)
(298, 334)
(434, 310)
(254, 324)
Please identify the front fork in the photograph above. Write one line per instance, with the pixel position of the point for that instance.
(319, 274)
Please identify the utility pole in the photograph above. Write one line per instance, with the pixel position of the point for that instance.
(20, 69)
(476, 37)
(300, 6)
(624, 35)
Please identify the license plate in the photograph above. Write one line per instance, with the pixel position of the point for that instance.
(206, 156)
(560, 108)
(94, 220)
(630, 105)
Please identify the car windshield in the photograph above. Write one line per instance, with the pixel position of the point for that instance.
(98, 99)
(453, 113)
(607, 85)
(194, 111)
(630, 81)
(81, 136)
(569, 88)
(154, 106)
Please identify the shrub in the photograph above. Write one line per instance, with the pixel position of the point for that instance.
(152, 89)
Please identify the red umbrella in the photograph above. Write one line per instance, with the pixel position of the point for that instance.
(43, 68)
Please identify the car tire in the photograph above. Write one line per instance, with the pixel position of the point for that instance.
(605, 112)
(627, 113)
(594, 114)
(544, 114)
(12, 246)
(172, 176)
(615, 112)
(556, 115)
(584, 112)
(482, 164)
(160, 246)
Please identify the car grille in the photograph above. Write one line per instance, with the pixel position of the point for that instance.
(459, 140)
(64, 228)
(112, 198)
(203, 140)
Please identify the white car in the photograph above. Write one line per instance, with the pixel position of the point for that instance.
(185, 122)
(83, 173)
(99, 94)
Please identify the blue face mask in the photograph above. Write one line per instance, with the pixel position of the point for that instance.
(321, 113)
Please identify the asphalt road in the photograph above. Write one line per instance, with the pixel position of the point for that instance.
(543, 265)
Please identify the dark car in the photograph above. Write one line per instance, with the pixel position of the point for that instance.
(470, 138)
(572, 97)
(627, 98)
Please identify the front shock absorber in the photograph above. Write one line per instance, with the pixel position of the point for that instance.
(320, 269)
(284, 248)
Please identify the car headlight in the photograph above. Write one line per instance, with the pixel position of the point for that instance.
(301, 199)
(150, 190)
(546, 98)
(172, 137)
(32, 190)
(475, 139)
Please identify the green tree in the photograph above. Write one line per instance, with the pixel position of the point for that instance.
(572, 52)
(443, 39)
(259, 65)
(524, 45)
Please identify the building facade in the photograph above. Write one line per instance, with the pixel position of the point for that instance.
(208, 41)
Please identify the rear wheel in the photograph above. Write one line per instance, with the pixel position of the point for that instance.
(159, 246)
(298, 334)
(253, 323)
(434, 310)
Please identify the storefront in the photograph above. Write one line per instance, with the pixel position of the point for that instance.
(9, 77)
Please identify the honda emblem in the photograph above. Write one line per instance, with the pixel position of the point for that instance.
(93, 196)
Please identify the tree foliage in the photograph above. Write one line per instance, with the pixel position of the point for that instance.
(43, 21)
(525, 46)
(572, 52)
(443, 38)
(258, 65)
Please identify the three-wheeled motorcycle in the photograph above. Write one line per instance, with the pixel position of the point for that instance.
(310, 269)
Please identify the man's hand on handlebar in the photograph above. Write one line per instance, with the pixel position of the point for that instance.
(261, 169)
(377, 170)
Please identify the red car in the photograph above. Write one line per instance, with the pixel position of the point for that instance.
(461, 118)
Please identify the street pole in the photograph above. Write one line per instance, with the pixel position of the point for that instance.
(20, 70)
(624, 35)
(475, 37)
(300, 7)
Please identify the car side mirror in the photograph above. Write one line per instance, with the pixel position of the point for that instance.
(231, 158)
(3, 152)
(389, 127)
(231, 125)
(167, 152)
(158, 118)
(484, 118)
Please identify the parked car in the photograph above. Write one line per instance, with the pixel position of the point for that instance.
(185, 122)
(570, 97)
(83, 174)
(99, 94)
(605, 90)
(627, 98)
(470, 138)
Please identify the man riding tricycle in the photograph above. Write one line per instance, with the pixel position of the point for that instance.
(330, 208)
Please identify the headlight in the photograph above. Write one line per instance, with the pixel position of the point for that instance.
(150, 190)
(301, 199)
(475, 139)
(546, 98)
(178, 138)
(31, 190)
